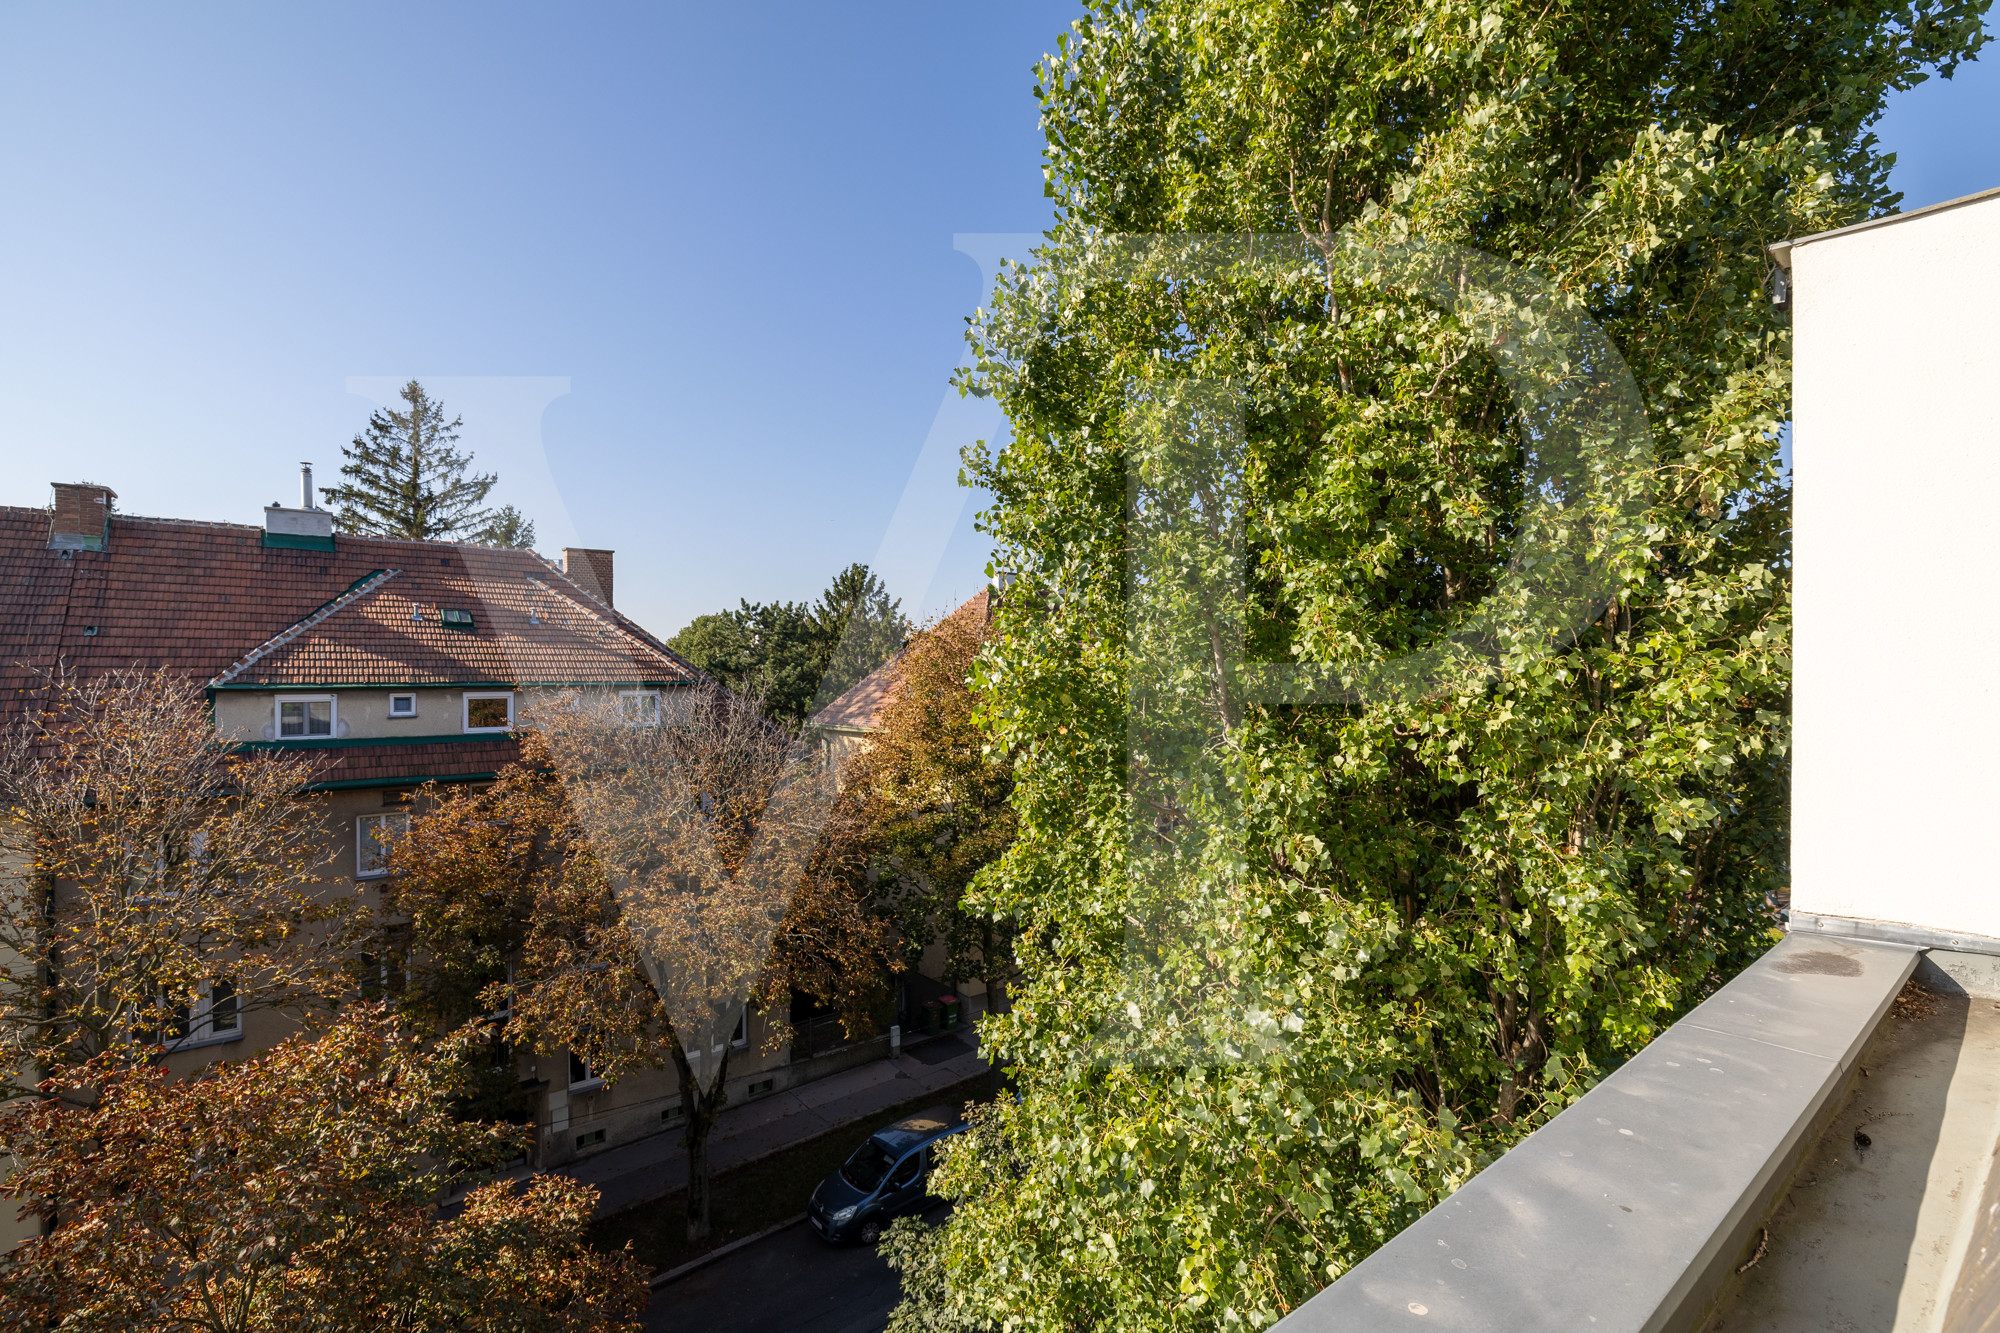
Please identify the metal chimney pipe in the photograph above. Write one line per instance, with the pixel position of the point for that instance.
(306, 486)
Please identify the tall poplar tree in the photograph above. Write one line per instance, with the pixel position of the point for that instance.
(1435, 913)
(406, 479)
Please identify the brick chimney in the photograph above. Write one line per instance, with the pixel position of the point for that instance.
(81, 516)
(589, 570)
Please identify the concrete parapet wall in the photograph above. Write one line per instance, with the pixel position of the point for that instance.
(1627, 1212)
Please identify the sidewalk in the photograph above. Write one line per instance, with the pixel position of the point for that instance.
(650, 1167)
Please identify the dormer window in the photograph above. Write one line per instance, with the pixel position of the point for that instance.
(489, 712)
(454, 618)
(402, 705)
(304, 716)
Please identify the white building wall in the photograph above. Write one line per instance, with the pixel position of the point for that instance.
(1896, 458)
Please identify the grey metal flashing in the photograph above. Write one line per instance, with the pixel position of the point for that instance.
(1626, 1212)
(1781, 251)
(1892, 932)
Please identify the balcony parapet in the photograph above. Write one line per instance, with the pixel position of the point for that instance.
(1629, 1210)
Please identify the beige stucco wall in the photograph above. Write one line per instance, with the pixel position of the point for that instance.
(247, 715)
(634, 1107)
(1896, 456)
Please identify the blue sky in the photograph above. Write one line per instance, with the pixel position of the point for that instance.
(688, 271)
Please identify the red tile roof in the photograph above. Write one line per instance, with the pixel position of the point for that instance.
(393, 762)
(529, 625)
(211, 601)
(860, 707)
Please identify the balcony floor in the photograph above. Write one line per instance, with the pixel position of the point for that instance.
(1869, 1240)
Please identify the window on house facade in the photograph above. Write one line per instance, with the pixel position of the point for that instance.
(372, 836)
(489, 712)
(581, 1075)
(306, 716)
(387, 975)
(641, 708)
(215, 1015)
(741, 1037)
(402, 705)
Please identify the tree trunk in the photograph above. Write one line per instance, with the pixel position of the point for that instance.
(708, 1105)
(697, 1198)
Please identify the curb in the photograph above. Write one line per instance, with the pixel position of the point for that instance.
(659, 1280)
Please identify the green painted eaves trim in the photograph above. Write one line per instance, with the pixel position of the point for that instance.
(292, 541)
(364, 784)
(342, 742)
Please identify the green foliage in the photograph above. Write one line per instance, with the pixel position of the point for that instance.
(794, 656)
(1441, 913)
(509, 527)
(404, 479)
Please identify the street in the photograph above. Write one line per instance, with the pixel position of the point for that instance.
(792, 1282)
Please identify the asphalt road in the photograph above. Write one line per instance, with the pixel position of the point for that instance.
(792, 1282)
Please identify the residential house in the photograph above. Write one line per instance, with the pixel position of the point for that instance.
(390, 663)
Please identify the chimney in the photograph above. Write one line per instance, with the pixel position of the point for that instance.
(589, 570)
(80, 517)
(307, 528)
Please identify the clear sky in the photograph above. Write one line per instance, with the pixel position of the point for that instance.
(688, 271)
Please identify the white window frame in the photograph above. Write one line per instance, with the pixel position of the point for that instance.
(401, 820)
(396, 714)
(200, 1022)
(278, 716)
(740, 1037)
(590, 1078)
(465, 711)
(640, 720)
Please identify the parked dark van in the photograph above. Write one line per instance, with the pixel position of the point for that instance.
(887, 1177)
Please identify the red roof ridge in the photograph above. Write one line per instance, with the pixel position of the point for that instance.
(361, 588)
(120, 516)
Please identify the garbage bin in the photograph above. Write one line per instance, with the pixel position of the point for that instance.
(949, 1004)
(933, 1017)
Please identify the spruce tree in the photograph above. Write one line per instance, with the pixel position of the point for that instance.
(405, 479)
(508, 527)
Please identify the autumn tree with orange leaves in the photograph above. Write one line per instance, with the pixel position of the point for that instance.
(931, 790)
(645, 879)
(148, 876)
(295, 1191)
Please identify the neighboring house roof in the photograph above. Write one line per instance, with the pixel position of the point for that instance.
(529, 625)
(211, 601)
(859, 709)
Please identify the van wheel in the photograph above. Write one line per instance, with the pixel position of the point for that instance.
(871, 1231)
